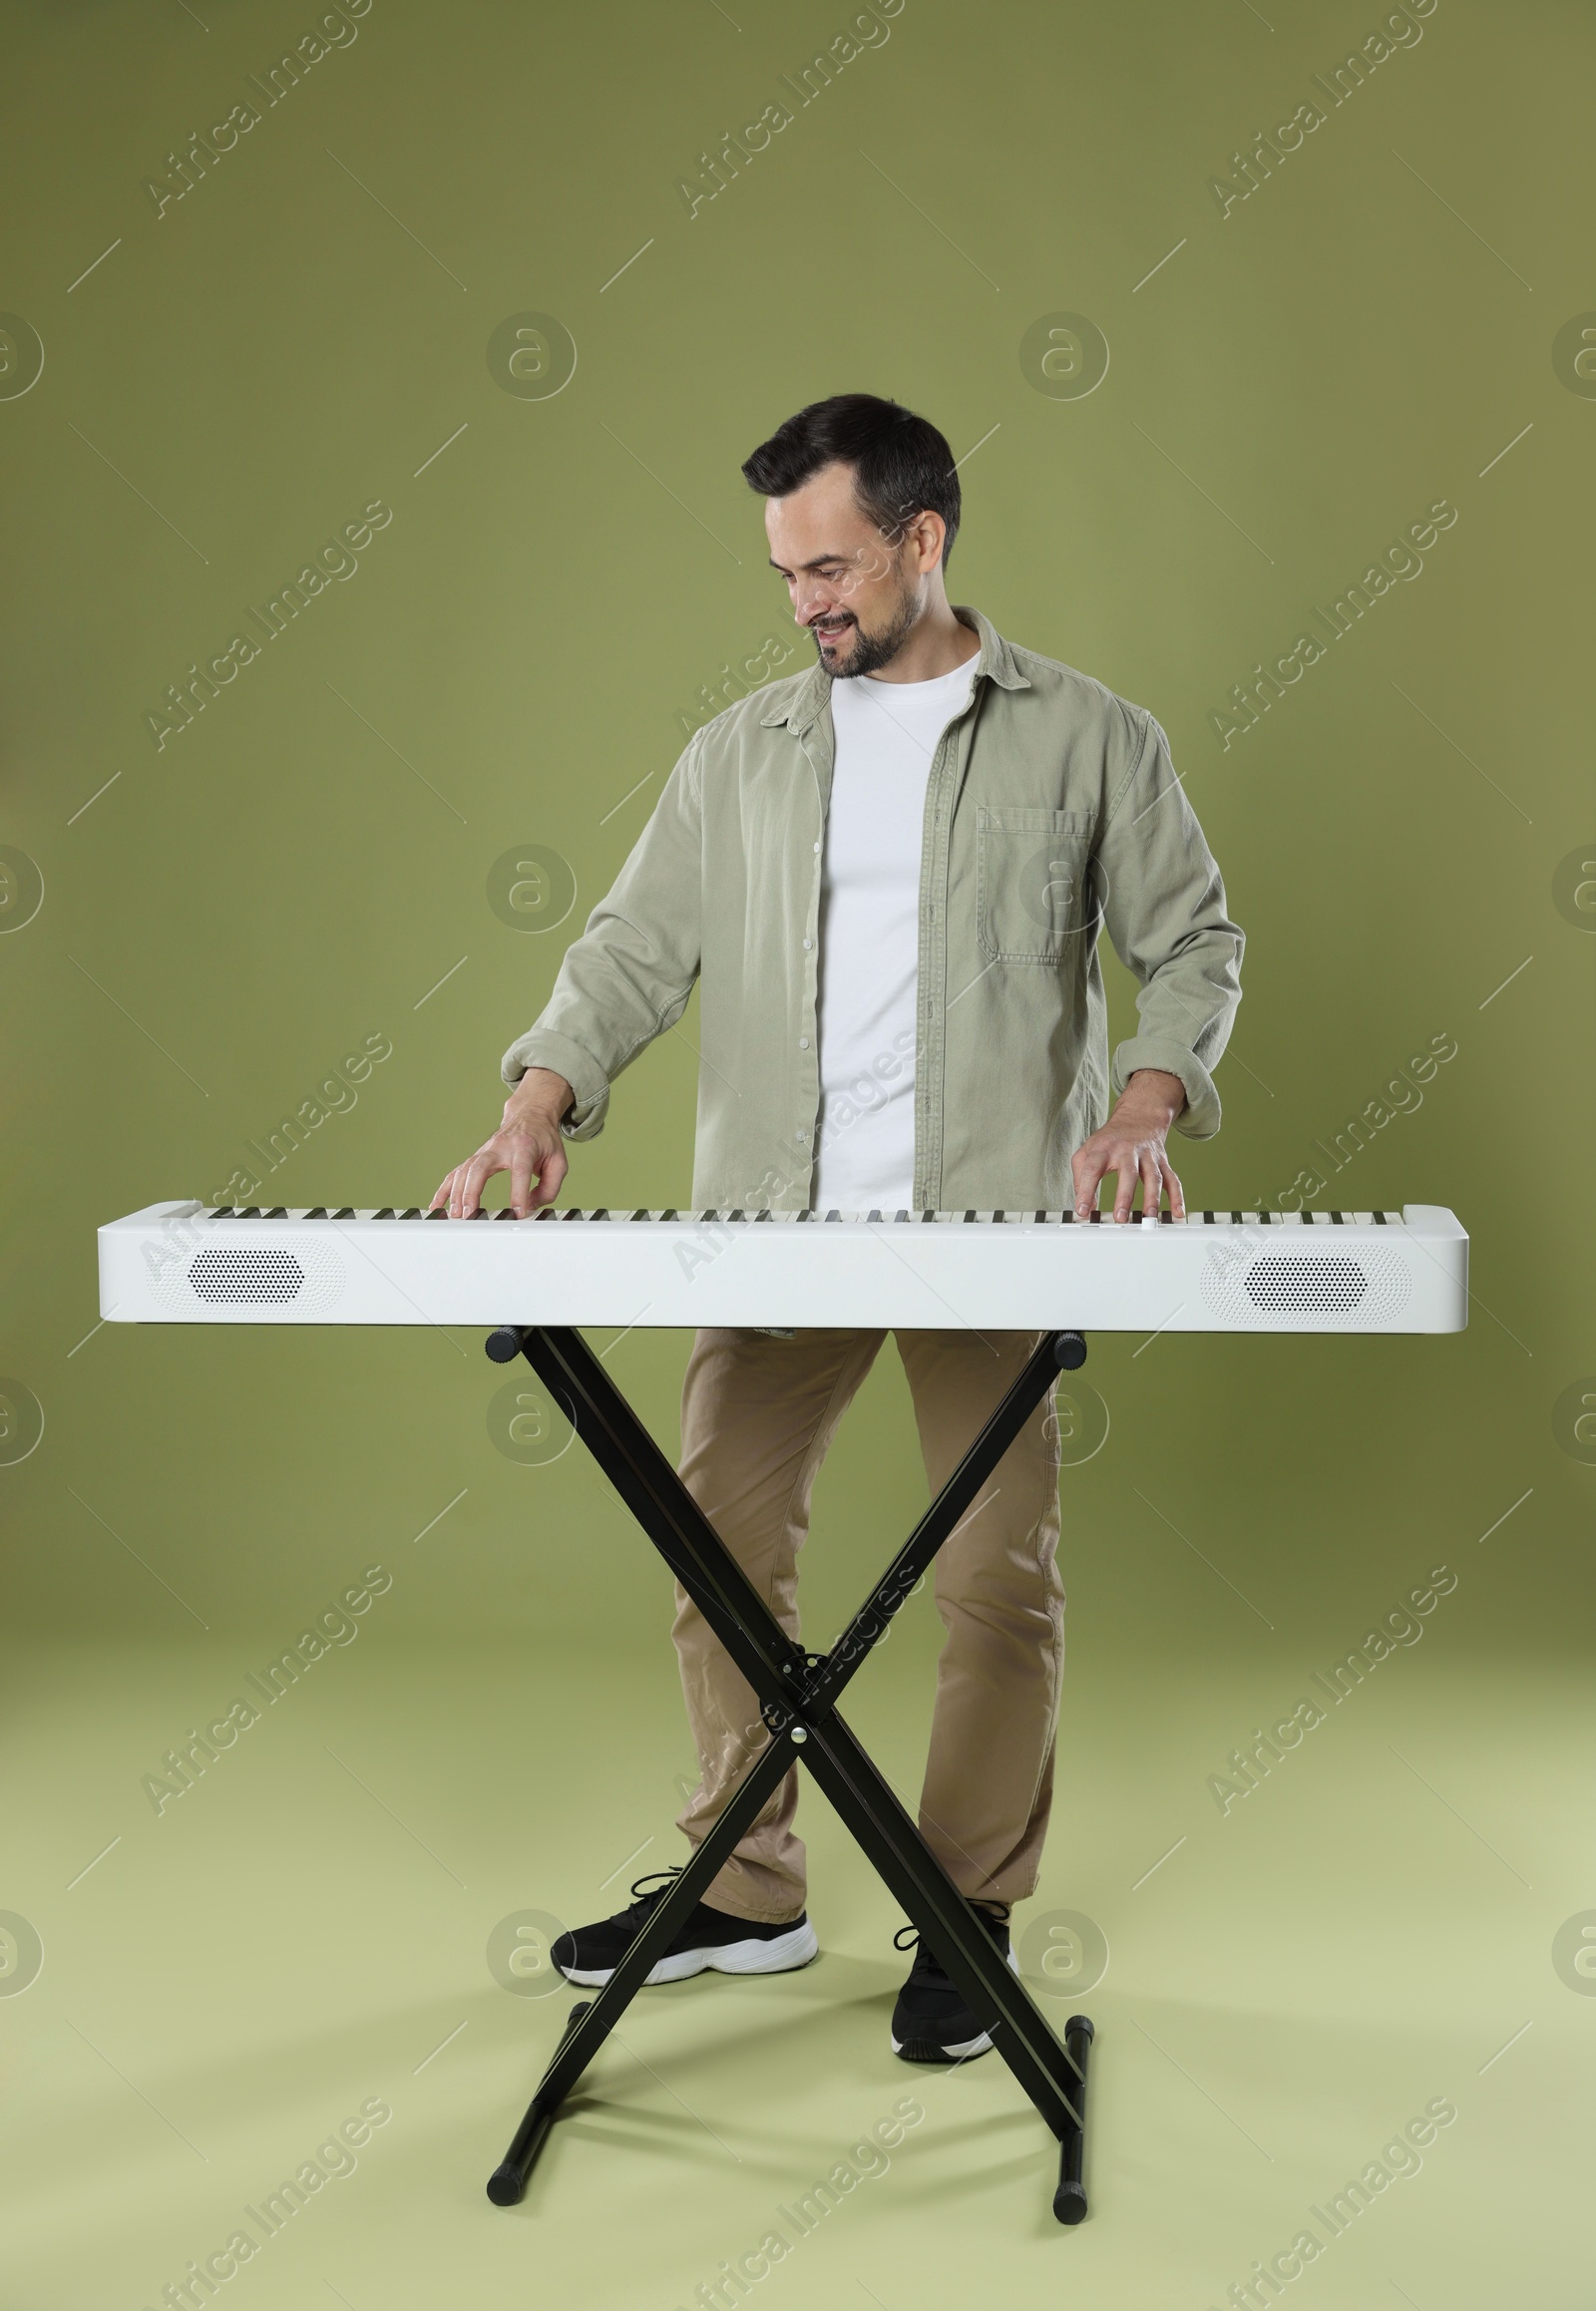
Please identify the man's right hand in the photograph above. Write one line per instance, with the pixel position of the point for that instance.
(527, 1145)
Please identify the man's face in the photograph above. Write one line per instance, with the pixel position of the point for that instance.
(859, 593)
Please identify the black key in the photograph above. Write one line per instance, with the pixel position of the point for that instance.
(439, 1212)
(875, 1216)
(1338, 1219)
(833, 1215)
(762, 1216)
(734, 1215)
(671, 1215)
(278, 1212)
(347, 1212)
(602, 1214)
(899, 1214)
(385, 1214)
(414, 1213)
(969, 1216)
(1380, 1219)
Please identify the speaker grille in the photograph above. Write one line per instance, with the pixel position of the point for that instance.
(255, 1276)
(294, 1282)
(1293, 1279)
(1366, 1287)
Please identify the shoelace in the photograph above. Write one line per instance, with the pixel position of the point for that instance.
(661, 1879)
(907, 1937)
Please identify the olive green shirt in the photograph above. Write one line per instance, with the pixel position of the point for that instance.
(1053, 811)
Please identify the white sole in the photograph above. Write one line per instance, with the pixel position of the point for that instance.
(973, 2046)
(777, 1955)
(958, 2054)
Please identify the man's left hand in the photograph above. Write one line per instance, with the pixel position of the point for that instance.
(1131, 1145)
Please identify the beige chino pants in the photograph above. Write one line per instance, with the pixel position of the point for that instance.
(758, 1417)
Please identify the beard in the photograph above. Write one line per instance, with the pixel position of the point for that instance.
(858, 652)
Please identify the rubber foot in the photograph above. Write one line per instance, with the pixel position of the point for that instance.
(1069, 2203)
(504, 2187)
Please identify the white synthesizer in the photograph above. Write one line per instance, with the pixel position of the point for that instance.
(1248, 1272)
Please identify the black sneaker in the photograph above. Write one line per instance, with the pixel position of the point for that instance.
(714, 1938)
(931, 2022)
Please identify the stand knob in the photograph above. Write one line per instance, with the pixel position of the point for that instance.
(503, 1345)
(1068, 1346)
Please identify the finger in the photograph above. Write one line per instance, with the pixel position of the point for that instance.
(442, 1197)
(551, 1176)
(1124, 1171)
(457, 1190)
(1088, 1170)
(477, 1173)
(520, 1177)
(1177, 1194)
(1152, 1184)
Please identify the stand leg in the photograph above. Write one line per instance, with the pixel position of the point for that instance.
(889, 1840)
(1070, 2199)
(590, 2024)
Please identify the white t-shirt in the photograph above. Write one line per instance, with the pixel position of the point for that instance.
(886, 734)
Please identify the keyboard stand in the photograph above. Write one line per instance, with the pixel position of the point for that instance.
(799, 1692)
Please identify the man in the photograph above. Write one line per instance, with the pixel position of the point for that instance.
(887, 877)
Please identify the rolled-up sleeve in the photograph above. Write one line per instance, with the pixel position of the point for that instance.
(1164, 910)
(628, 977)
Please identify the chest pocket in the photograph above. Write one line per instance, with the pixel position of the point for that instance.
(1036, 885)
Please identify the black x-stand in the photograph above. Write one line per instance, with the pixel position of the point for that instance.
(798, 1692)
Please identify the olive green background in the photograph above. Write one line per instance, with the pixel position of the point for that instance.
(224, 916)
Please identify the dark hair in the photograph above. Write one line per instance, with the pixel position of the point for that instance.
(902, 465)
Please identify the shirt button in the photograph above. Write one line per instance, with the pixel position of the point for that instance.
(803, 1042)
(817, 850)
(808, 944)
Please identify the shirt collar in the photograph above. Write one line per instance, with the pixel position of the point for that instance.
(808, 698)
